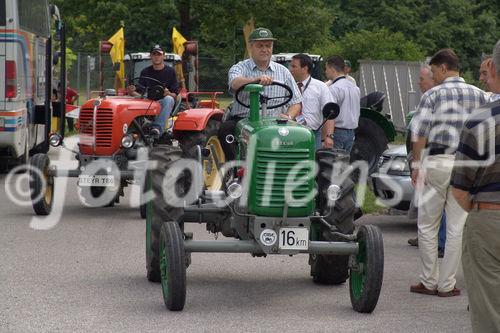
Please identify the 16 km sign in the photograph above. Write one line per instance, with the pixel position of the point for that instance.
(294, 238)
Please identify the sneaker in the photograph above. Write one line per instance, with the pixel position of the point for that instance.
(413, 242)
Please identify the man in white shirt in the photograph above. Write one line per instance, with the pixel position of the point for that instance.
(315, 95)
(347, 70)
(346, 95)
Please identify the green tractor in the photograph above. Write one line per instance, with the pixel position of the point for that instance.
(280, 197)
(375, 129)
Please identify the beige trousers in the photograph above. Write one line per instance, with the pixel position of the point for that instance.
(481, 263)
(435, 196)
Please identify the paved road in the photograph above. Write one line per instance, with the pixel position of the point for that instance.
(87, 273)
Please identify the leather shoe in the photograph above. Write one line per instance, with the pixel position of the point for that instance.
(454, 292)
(413, 241)
(421, 289)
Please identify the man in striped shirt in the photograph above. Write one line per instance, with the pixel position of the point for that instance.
(258, 69)
(476, 187)
(438, 122)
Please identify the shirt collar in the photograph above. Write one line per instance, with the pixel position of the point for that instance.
(272, 65)
(305, 81)
(454, 79)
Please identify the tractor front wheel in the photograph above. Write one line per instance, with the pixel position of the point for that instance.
(173, 266)
(367, 271)
(158, 210)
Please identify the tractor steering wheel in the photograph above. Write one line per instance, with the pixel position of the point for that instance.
(154, 92)
(263, 98)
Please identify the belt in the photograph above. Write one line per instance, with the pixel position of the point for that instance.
(486, 205)
(439, 150)
(344, 129)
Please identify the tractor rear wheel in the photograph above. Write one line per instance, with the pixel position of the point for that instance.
(368, 270)
(333, 269)
(369, 143)
(41, 185)
(158, 210)
(208, 138)
(173, 266)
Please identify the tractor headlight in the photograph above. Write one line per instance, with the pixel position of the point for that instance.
(55, 139)
(234, 190)
(334, 192)
(128, 141)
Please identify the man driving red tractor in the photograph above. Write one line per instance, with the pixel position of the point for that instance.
(158, 82)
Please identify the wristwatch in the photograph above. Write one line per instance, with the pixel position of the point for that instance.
(330, 136)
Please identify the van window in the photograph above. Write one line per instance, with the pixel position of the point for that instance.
(34, 16)
(2, 13)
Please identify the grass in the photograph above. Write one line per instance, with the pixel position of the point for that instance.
(400, 139)
(369, 205)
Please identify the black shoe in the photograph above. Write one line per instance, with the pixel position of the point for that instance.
(440, 252)
(413, 242)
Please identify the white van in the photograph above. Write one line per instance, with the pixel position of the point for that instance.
(25, 88)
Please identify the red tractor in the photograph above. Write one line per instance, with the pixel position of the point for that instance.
(114, 144)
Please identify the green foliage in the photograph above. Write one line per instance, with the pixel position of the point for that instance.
(90, 21)
(470, 27)
(380, 44)
(375, 29)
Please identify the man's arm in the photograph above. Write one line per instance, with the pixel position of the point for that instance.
(418, 147)
(327, 130)
(293, 110)
(463, 198)
(172, 85)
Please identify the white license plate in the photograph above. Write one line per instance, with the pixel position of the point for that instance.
(294, 238)
(96, 180)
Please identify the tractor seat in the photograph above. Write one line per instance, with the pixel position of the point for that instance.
(374, 100)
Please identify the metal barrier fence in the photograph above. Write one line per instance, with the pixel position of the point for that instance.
(398, 80)
(83, 74)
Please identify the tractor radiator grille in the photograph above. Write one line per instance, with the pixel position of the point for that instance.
(279, 170)
(104, 127)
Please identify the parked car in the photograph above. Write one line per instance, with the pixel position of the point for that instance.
(393, 173)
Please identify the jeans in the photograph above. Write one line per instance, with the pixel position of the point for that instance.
(343, 139)
(317, 135)
(167, 104)
(442, 232)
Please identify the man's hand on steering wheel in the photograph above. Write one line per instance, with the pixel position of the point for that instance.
(266, 80)
(158, 90)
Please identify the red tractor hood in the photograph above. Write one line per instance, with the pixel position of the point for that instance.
(113, 116)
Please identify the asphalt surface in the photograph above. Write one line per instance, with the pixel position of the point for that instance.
(86, 272)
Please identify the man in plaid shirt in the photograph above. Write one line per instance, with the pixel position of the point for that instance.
(436, 132)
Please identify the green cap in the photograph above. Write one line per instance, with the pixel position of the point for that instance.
(261, 34)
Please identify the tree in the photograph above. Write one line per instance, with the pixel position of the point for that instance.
(375, 45)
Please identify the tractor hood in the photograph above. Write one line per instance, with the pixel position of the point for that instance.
(277, 134)
(280, 161)
(101, 134)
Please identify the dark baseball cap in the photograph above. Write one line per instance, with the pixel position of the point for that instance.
(261, 34)
(157, 48)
